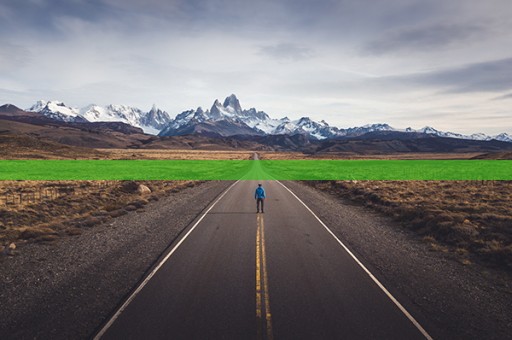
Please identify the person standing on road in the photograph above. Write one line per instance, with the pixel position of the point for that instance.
(259, 196)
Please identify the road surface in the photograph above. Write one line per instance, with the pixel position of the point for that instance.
(236, 274)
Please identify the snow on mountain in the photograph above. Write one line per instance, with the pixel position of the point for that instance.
(151, 122)
(222, 119)
(227, 118)
(232, 105)
(231, 111)
(361, 130)
(307, 126)
(183, 119)
(116, 113)
(503, 137)
(260, 121)
(155, 118)
(229, 114)
(56, 110)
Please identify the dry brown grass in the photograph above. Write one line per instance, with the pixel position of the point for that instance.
(340, 155)
(74, 206)
(176, 154)
(470, 218)
(276, 155)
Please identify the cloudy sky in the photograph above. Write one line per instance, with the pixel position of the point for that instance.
(444, 63)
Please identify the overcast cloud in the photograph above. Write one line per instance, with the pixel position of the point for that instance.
(445, 63)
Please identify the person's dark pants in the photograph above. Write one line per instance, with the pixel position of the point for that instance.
(260, 201)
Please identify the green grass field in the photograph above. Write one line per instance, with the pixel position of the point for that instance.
(255, 170)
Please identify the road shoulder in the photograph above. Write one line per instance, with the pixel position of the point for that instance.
(67, 289)
(449, 299)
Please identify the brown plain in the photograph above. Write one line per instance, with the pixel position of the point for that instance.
(470, 218)
(177, 154)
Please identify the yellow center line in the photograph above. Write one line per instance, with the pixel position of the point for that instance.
(265, 283)
(258, 279)
(262, 285)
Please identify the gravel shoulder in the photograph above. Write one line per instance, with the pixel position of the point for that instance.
(67, 289)
(449, 299)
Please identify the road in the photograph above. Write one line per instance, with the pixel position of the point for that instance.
(236, 274)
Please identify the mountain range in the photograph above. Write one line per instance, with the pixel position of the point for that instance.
(151, 122)
(34, 135)
(229, 119)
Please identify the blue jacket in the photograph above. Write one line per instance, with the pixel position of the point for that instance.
(260, 193)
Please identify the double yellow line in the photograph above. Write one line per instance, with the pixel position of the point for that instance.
(262, 295)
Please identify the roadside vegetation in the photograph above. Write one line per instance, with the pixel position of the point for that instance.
(276, 155)
(177, 154)
(470, 218)
(44, 211)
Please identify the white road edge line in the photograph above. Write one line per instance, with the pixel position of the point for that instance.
(153, 272)
(381, 286)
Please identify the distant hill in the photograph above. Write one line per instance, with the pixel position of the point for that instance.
(402, 142)
(495, 155)
(29, 147)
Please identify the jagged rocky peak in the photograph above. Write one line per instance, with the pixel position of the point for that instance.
(304, 120)
(154, 109)
(216, 112)
(252, 112)
(230, 108)
(504, 137)
(233, 103)
(378, 127)
(155, 118)
(200, 114)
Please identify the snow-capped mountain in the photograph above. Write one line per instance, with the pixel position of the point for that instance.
(151, 122)
(235, 120)
(258, 122)
(206, 122)
(252, 121)
(228, 119)
(503, 137)
(57, 110)
(155, 118)
(307, 126)
(225, 119)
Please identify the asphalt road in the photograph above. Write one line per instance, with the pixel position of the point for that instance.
(236, 274)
